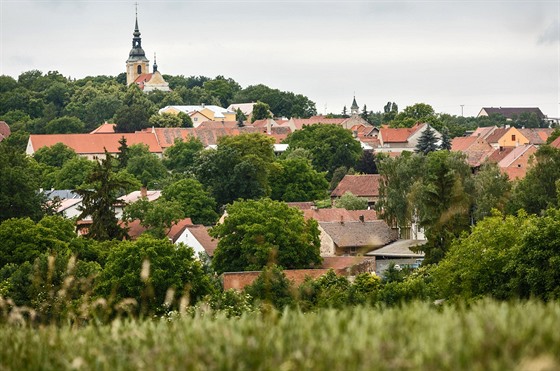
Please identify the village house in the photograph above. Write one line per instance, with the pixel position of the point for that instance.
(192, 235)
(201, 113)
(354, 237)
(476, 148)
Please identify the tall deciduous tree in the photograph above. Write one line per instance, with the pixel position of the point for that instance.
(157, 216)
(331, 146)
(20, 185)
(256, 233)
(195, 202)
(260, 111)
(56, 155)
(181, 156)
(296, 180)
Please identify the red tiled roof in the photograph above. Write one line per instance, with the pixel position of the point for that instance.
(462, 143)
(536, 136)
(398, 135)
(484, 132)
(135, 229)
(217, 124)
(358, 185)
(4, 129)
(200, 232)
(105, 128)
(498, 154)
(515, 154)
(93, 144)
(338, 214)
(496, 135)
(556, 143)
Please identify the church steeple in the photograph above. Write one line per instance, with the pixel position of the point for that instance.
(137, 63)
(154, 69)
(354, 109)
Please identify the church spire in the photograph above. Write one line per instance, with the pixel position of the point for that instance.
(354, 109)
(155, 63)
(137, 63)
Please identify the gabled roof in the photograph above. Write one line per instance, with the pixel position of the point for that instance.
(509, 112)
(395, 135)
(151, 195)
(135, 229)
(359, 185)
(4, 130)
(556, 143)
(372, 234)
(484, 132)
(218, 111)
(536, 136)
(200, 232)
(94, 144)
(496, 135)
(167, 136)
(68, 203)
(105, 128)
(218, 124)
(339, 214)
(515, 154)
(462, 143)
(246, 108)
(498, 154)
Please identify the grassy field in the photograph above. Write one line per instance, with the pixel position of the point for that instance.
(486, 336)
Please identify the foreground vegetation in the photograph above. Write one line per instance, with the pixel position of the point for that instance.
(486, 336)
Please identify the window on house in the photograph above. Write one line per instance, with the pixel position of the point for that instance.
(196, 119)
(513, 137)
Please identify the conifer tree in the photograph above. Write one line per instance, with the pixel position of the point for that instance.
(427, 141)
(445, 140)
(99, 199)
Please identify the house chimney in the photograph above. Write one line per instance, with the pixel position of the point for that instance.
(361, 218)
(143, 192)
(341, 219)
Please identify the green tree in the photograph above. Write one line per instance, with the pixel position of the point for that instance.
(123, 155)
(19, 184)
(443, 201)
(390, 111)
(555, 134)
(398, 175)
(146, 269)
(99, 198)
(331, 146)
(186, 120)
(349, 201)
(222, 88)
(24, 240)
(445, 140)
(260, 111)
(427, 142)
(181, 156)
(296, 180)
(273, 287)
(73, 173)
(256, 233)
(492, 190)
(156, 216)
(366, 163)
(56, 155)
(239, 168)
(135, 113)
(537, 191)
(65, 125)
(166, 120)
(240, 117)
(194, 201)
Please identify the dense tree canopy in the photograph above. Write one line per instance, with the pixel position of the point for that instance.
(257, 233)
(331, 146)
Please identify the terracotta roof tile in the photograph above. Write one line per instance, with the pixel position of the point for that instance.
(135, 229)
(92, 144)
(359, 185)
(556, 143)
(496, 135)
(515, 154)
(498, 154)
(200, 232)
(536, 136)
(105, 128)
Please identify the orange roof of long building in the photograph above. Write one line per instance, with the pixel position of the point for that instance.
(95, 143)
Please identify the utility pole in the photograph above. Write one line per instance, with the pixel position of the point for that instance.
(462, 105)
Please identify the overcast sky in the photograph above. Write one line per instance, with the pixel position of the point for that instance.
(444, 53)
